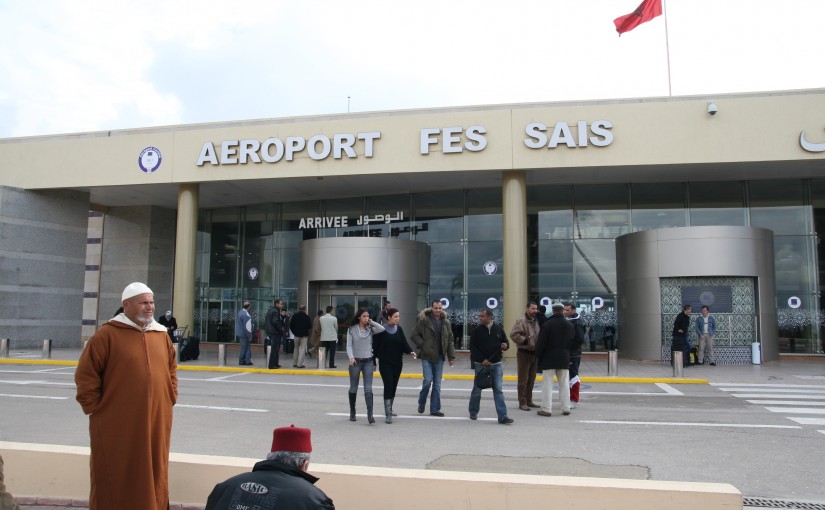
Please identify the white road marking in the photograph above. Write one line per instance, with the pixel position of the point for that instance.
(795, 410)
(759, 385)
(813, 391)
(822, 431)
(775, 395)
(685, 424)
(815, 377)
(48, 383)
(32, 396)
(218, 408)
(670, 390)
(807, 421)
(224, 377)
(785, 402)
(56, 369)
(418, 417)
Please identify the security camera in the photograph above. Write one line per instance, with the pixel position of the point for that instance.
(712, 108)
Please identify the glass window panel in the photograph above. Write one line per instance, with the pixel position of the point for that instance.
(396, 212)
(657, 205)
(555, 268)
(447, 267)
(779, 206)
(439, 216)
(484, 208)
(291, 215)
(350, 208)
(484, 258)
(717, 203)
(554, 207)
(600, 211)
(595, 266)
(223, 257)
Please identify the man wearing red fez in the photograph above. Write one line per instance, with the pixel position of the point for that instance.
(279, 482)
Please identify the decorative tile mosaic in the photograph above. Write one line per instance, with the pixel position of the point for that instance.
(735, 332)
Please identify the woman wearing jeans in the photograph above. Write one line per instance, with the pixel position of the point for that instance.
(359, 352)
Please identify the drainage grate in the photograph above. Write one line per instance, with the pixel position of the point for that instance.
(780, 503)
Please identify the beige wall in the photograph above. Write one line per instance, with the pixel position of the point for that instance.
(62, 471)
(756, 127)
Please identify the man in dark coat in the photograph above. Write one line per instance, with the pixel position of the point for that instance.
(274, 327)
(301, 326)
(553, 355)
(279, 482)
(681, 327)
(487, 343)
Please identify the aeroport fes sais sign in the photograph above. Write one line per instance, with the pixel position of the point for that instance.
(450, 140)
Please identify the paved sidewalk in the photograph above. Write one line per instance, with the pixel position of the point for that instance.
(801, 370)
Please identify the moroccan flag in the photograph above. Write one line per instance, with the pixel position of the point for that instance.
(646, 11)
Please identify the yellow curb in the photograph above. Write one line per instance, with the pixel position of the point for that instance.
(23, 361)
(344, 373)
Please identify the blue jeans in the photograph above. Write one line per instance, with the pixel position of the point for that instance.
(432, 377)
(367, 368)
(246, 352)
(498, 394)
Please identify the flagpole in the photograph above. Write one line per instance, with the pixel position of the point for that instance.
(667, 49)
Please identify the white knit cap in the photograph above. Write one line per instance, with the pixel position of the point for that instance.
(135, 289)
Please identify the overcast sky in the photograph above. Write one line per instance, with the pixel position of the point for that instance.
(89, 65)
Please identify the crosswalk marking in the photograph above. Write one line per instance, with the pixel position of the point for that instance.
(793, 401)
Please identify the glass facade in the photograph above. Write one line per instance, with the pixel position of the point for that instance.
(251, 253)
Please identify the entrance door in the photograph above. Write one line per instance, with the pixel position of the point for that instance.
(346, 298)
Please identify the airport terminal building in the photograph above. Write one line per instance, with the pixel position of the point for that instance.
(627, 208)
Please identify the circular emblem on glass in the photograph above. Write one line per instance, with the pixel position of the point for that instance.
(794, 302)
(445, 302)
(253, 273)
(490, 267)
(149, 159)
(597, 303)
(492, 303)
(545, 301)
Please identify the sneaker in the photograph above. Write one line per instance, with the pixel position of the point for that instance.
(712, 364)
(533, 405)
(437, 413)
(506, 421)
(420, 409)
(574, 405)
(566, 413)
(473, 416)
(524, 407)
(544, 413)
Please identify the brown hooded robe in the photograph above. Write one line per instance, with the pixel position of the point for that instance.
(127, 383)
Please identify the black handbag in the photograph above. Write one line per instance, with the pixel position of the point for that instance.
(484, 377)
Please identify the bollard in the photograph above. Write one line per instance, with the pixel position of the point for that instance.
(322, 357)
(4, 347)
(268, 351)
(221, 355)
(47, 349)
(678, 367)
(613, 363)
(177, 352)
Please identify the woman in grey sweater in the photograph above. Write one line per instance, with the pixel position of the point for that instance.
(359, 352)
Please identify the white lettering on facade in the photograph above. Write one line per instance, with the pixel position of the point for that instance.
(562, 134)
(451, 139)
(273, 150)
(324, 222)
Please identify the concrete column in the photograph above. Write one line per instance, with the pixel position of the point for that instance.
(514, 228)
(183, 292)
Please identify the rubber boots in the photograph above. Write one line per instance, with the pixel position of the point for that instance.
(368, 398)
(388, 410)
(352, 406)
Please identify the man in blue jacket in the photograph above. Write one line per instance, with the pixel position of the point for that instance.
(706, 330)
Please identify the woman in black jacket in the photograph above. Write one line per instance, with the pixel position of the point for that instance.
(389, 347)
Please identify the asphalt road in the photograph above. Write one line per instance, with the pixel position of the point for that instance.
(767, 440)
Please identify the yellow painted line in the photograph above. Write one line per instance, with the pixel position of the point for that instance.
(345, 373)
(26, 361)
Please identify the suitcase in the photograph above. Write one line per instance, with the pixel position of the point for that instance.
(189, 349)
(289, 345)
